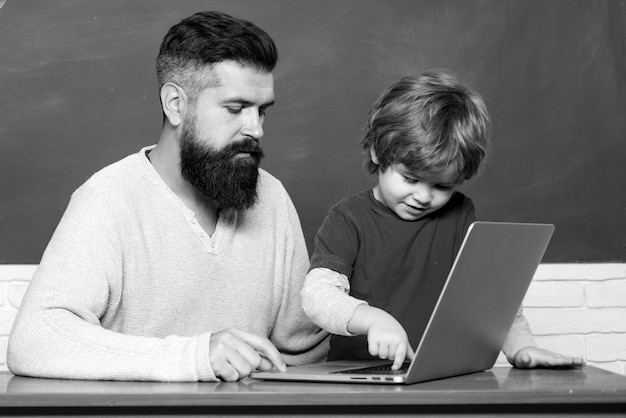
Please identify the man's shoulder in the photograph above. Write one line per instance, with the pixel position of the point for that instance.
(270, 188)
(119, 175)
(273, 201)
(268, 179)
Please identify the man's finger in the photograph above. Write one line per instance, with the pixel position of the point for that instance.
(265, 364)
(226, 373)
(263, 346)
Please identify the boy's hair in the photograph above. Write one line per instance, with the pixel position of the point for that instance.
(191, 48)
(428, 123)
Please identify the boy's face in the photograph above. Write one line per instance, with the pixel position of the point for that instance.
(412, 195)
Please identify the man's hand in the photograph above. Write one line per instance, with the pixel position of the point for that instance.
(234, 354)
(386, 338)
(533, 357)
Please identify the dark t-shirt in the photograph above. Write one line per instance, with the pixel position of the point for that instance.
(396, 265)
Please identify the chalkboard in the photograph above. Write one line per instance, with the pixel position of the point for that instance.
(79, 92)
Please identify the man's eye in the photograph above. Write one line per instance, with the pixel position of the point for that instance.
(444, 187)
(410, 180)
(234, 110)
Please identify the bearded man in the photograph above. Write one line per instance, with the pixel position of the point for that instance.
(184, 261)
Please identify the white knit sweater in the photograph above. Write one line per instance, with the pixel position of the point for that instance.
(130, 287)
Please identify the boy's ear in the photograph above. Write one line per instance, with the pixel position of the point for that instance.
(373, 155)
(173, 101)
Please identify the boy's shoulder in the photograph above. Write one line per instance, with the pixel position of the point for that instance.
(365, 200)
(364, 204)
(362, 199)
(460, 199)
(458, 205)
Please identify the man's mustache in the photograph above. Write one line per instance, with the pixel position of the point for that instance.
(249, 146)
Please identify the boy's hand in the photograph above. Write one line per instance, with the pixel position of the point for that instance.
(534, 357)
(388, 340)
(385, 336)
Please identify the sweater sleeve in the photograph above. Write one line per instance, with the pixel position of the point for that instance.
(326, 301)
(298, 339)
(57, 332)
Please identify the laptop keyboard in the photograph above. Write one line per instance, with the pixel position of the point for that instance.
(382, 369)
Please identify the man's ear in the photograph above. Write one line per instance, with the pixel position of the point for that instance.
(173, 102)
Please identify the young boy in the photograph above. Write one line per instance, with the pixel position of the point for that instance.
(382, 255)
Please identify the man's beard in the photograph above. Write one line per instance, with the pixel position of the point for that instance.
(227, 181)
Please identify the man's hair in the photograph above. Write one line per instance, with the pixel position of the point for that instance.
(191, 48)
(428, 123)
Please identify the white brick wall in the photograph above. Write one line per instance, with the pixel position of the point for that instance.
(580, 310)
(574, 309)
(14, 280)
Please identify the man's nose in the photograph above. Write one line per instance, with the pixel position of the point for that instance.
(253, 125)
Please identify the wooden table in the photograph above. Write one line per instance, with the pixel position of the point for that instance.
(499, 391)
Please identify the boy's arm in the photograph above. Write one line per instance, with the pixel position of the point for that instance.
(326, 301)
(522, 351)
(519, 336)
(535, 357)
(386, 338)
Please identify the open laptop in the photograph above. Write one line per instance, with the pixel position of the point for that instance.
(475, 310)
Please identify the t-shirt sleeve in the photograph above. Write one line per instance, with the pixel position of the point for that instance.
(336, 242)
